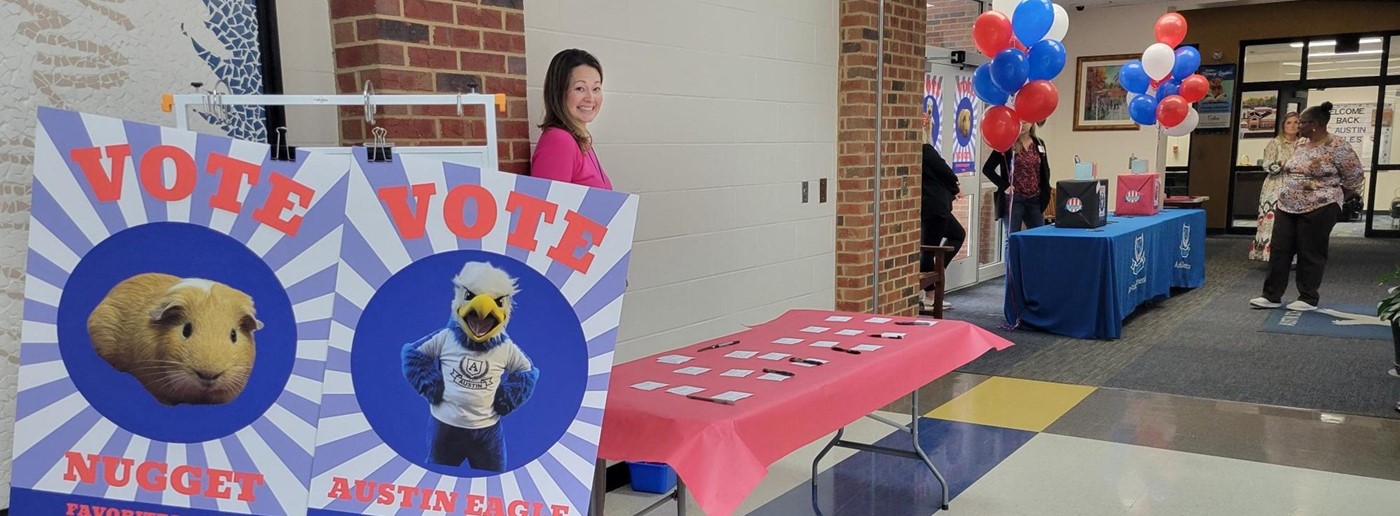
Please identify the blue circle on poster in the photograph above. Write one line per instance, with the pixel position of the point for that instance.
(415, 305)
(965, 128)
(146, 375)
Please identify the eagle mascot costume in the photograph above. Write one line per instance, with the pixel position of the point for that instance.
(470, 372)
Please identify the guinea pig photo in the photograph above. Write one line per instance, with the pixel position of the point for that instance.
(187, 340)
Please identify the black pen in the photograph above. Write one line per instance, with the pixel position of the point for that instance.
(890, 336)
(914, 323)
(717, 346)
(806, 361)
(711, 400)
(844, 350)
(777, 372)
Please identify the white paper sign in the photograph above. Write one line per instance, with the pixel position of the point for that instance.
(684, 390)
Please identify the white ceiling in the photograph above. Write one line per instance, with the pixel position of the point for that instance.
(1179, 5)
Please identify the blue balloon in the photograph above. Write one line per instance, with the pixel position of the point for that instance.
(1009, 70)
(1168, 89)
(1032, 19)
(1143, 109)
(1047, 59)
(984, 87)
(1133, 77)
(1187, 61)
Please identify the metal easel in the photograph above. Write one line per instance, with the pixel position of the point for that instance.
(216, 101)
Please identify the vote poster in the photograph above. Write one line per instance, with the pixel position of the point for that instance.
(965, 132)
(933, 110)
(472, 339)
(177, 303)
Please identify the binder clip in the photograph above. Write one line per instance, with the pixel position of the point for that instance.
(280, 150)
(380, 151)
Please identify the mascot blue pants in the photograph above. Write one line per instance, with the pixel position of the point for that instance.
(483, 448)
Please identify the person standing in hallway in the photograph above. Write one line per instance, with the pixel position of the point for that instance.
(1276, 154)
(1321, 173)
(1025, 176)
(940, 189)
(573, 96)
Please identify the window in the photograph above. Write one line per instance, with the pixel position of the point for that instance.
(1325, 62)
(1276, 62)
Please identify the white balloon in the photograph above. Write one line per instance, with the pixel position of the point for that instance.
(1060, 27)
(1157, 61)
(1186, 126)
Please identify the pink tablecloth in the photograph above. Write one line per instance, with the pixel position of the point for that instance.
(723, 451)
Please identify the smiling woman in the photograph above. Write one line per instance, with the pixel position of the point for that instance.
(573, 96)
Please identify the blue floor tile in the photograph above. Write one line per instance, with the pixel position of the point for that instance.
(869, 483)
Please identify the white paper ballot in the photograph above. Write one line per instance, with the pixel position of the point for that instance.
(674, 359)
(878, 320)
(816, 329)
(684, 390)
(893, 335)
(839, 318)
(692, 370)
(804, 364)
(824, 344)
(775, 356)
(788, 341)
(867, 347)
(773, 377)
(732, 396)
(741, 354)
(648, 386)
(737, 373)
(848, 333)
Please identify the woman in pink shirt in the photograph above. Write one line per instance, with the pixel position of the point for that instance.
(573, 95)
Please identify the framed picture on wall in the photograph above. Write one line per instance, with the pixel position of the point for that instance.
(1100, 103)
(1259, 114)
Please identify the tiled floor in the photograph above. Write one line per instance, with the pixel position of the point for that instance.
(1009, 446)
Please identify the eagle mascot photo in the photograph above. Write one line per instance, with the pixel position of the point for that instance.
(470, 372)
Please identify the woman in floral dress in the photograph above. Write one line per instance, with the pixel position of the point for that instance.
(1275, 155)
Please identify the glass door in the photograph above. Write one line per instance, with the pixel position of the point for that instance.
(951, 112)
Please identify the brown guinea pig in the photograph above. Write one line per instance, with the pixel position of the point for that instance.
(186, 340)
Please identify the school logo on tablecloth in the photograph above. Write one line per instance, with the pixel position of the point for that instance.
(1185, 240)
(177, 306)
(1139, 255)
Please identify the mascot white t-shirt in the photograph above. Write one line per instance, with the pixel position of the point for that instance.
(470, 379)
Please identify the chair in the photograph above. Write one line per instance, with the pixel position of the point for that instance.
(934, 278)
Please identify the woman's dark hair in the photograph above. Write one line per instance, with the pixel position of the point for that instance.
(556, 89)
(1320, 114)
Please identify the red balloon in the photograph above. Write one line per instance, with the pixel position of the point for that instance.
(1170, 29)
(1037, 100)
(1016, 44)
(991, 33)
(1172, 110)
(1000, 127)
(1194, 88)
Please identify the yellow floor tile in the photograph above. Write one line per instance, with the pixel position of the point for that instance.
(1013, 403)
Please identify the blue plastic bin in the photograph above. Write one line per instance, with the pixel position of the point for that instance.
(652, 477)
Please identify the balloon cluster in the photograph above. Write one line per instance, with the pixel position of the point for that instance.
(1018, 75)
(1164, 83)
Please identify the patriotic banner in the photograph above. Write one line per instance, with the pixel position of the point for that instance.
(965, 134)
(178, 298)
(475, 319)
(933, 110)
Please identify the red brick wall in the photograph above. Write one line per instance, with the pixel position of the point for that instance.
(434, 46)
(950, 23)
(901, 137)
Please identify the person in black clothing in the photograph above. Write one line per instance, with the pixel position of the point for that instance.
(940, 189)
(1029, 185)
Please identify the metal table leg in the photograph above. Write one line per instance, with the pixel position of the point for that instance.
(918, 453)
(600, 488)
